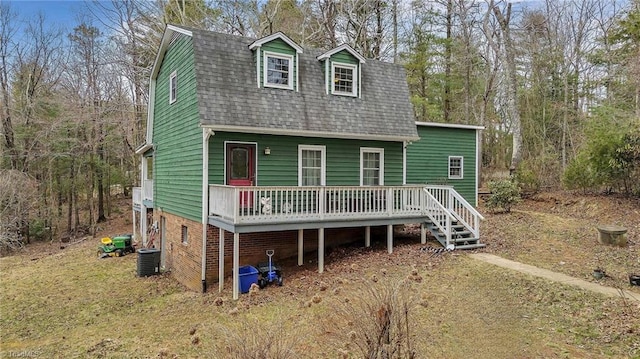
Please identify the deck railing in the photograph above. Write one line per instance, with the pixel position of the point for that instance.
(137, 196)
(148, 190)
(266, 204)
(457, 206)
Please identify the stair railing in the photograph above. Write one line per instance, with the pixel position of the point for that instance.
(465, 213)
(439, 215)
(457, 206)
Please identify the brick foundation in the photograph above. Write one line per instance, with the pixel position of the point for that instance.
(184, 259)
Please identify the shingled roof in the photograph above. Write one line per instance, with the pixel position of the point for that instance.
(229, 98)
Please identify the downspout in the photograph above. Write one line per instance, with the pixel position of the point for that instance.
(404, 162)
(206, 134)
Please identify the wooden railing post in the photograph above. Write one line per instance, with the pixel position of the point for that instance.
(389, 201)
(322, 199)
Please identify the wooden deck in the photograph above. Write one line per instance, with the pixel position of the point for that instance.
(330, 205)
(143, 195)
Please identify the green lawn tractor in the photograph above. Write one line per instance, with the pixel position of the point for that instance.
(115, 247)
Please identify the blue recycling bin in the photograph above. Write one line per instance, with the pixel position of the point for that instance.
(248, 275)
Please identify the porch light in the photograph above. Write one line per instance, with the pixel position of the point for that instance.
(267, 151)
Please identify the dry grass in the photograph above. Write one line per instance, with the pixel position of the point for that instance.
(66, 303)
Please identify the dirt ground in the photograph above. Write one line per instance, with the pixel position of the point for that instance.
(58, 300)
(557, 231)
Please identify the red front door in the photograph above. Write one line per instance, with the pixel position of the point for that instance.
(241, 169)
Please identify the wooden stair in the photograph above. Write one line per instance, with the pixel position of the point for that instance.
(461, 237)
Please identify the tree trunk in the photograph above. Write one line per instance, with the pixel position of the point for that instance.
(447, 65)
(511, 79)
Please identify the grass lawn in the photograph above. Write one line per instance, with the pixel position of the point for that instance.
(67, 303)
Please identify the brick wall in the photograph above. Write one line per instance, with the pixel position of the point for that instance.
(184, 259)
(285, 244)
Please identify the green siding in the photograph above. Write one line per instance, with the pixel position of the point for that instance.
(428, 158)
(344, 57)
(280, 47)
(177, 137)
(280, 168)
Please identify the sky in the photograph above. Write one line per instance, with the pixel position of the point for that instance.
(60, 14)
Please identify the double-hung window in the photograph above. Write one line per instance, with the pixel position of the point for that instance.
(278, 70)
(345, 79)
(455, 167)
(173, 87)
(371, 166)
(311, 165)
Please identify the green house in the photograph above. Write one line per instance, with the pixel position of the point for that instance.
(262, 144)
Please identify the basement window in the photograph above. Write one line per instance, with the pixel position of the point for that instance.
(455, 167)
(185, 235)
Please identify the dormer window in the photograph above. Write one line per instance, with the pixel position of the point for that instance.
(342, 71)
(277, 59)
(278, 70)
(345, 79)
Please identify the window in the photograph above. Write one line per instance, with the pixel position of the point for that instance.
(149, 161)
(311, 165)
(185, 235)
(344, 79)
(455, 167)
(371, 166)
(173, 87)
(278, 70)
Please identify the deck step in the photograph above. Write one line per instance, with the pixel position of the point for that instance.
(466, 240)
(471, 246)
(461, 234)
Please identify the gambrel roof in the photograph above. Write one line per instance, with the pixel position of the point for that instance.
(230, 100)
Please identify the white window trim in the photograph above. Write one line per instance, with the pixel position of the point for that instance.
(174, 75)
(461, 158)
(356, 82)
(265, 69)
(184, 235)
(323, 160)
(364, 150)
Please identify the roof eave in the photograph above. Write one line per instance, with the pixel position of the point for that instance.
(449, 125)
(277, 35)
(164, 45)
(349, 49)
(315, 134)
(143, 148)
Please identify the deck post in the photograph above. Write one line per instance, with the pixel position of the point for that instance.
(220, 260)
(423, 233)
(367, 236)
(135, 229)
(390, 238)
(300, 246)
(236, 265)
(320, 250)
(143, 224)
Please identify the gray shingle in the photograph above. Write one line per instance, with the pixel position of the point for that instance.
(228, 94)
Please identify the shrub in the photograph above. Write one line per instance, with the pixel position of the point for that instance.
(527, 178)
(504, 194)
(252, 340)
(379, 321)
(580, 175)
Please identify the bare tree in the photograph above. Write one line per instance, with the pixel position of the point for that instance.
(504, 46)
(7, 32)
